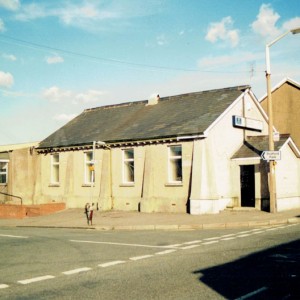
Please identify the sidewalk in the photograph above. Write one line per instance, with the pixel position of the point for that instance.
(119, 220)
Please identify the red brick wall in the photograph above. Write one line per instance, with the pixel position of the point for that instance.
(8, 211)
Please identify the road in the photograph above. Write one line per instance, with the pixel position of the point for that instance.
(258, 263)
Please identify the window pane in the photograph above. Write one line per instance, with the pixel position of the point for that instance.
(128, 154)
(55, 158)
(175, 170)
(128, 165)
(175, 151)
(89, 156)
(55, 174)
(2, 178)
(129, 171)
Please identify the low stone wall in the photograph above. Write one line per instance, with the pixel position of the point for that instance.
(10, 211)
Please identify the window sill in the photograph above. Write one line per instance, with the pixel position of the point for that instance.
(54, 185)
(174, 184)
(127, 184)
(87, 185)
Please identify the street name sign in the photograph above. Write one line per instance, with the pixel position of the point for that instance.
(271, 155)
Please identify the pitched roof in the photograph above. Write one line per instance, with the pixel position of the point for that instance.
(254, 146)
(286, 80)
(172, 116)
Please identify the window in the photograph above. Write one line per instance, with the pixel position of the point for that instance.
(89, 168)
(128, 166)
(3, 171)
(175, 164)
(55, 168)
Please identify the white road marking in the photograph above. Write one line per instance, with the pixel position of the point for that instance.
(243, 235)
(189, 247)
(212, 238)
(36, 279)
(192, 242)
(140, 257)
(229, 238)
(123, 244)
(75, 271)
(228, 235)
(3, 286)
(258, 232)
(112, 263)
(252, 293)
(211, 242)
(14, 236)
(166, 252)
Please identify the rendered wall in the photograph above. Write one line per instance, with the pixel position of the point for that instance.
(286, 105)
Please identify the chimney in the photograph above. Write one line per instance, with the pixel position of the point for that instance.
(153, 99)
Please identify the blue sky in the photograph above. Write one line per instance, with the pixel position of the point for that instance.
(60, 57)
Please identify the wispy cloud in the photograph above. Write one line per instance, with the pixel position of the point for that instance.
(89, 15)
(2, 26)
(223, 31)
(161, 40)
(55, 94)
(64, 117)
(91, 96)
(10, 57)
(10, 4)
(233, 59)
(55, 59)
(6, 79)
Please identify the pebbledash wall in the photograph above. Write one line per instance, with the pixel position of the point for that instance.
(210, 177)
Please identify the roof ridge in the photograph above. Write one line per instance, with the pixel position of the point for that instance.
(167, 98)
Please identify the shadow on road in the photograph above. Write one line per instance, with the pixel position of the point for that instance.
(270, 274)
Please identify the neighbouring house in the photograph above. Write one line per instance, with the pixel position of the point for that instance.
(286, 105)
(197, 152)
(17, 168)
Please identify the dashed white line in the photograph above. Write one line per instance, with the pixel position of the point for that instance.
(3, 286)
(140, 257)
(228, 235)
(75, 271)
(192, 242)
(123, 244)
(36, 279)
(212, 238)
(112, 263)
(211, 242)
(14, 236)
(229, 238)
(166, 252)
(243, 235)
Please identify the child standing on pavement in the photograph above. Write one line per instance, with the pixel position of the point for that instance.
(87, 212)
(91, 211)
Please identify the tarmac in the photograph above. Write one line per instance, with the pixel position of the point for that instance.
(132, 220)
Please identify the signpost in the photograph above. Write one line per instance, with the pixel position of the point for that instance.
(271, 155)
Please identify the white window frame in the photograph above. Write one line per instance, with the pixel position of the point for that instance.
(127, 165)
(89, 165)
(171, 160)
(5, 173)
(55, 166)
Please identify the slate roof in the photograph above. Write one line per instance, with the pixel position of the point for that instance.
(173, 116)
(254, 146)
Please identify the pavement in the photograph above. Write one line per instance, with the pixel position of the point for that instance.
(122, 220)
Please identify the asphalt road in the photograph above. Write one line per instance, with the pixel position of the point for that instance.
(254, 263)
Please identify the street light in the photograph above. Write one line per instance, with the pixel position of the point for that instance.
(272, 181)
(93, 165)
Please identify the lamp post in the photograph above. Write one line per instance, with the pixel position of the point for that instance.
(92, 166)
(272, 179)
